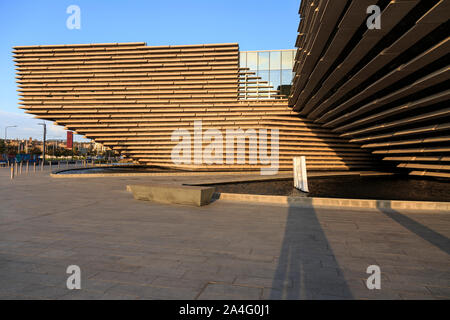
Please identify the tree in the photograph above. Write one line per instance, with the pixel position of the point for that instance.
(2, 146)
(36, 150)
(11, 150)
(76, 152)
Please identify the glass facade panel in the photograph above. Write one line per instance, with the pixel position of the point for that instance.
(275, 60)
(264, 75)
(273, 66)
(287, 60)
(263, 60)
(275, 78)
(252, 61)
(242, 59)
(286, 76)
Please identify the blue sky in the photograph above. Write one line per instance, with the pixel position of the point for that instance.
(254, 24)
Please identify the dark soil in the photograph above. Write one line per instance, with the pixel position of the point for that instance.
(380, 187)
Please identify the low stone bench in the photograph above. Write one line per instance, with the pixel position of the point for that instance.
(179, 194)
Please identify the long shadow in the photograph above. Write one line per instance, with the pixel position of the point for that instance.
(307, 267)
(433, 237)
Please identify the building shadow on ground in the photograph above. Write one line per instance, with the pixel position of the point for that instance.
(427, 234)
(307, 267)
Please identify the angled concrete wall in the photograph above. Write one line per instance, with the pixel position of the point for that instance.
(385, 89)
(131, 97)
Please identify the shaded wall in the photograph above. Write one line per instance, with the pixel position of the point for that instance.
(385, 89)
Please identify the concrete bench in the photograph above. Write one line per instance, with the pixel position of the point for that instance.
(179, 194)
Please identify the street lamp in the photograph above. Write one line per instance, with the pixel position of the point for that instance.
(6, 136)
(43, 148)
(6, 131)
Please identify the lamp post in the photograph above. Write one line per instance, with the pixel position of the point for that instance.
(43, 147)
(6, 136)
(6, 131)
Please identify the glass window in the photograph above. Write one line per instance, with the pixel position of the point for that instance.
(275, 78)
(263, 62)
(286, 76)
(252, 60)
(287, 60)
(242, 59)
(264, 74)
(275, 60)
(272, 67)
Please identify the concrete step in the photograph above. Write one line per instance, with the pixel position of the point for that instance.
(173, 194)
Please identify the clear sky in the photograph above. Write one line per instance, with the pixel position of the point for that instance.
(254, 24)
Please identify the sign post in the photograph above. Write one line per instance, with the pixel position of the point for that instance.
(300, 175)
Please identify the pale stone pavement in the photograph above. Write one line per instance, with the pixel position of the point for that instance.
(130, 249)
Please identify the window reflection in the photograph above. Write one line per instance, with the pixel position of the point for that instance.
(252, 61)
(263, 60)
(286, 60)
(286, 76)
(275, 78)
(264, 75)
(243, 59)
(275, 60)
(273, 67)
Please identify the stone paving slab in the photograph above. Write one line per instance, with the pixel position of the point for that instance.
(129, 249)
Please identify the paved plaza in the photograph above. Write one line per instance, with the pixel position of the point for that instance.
(129, 249)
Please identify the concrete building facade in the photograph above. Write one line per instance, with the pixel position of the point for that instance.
(386, 89)
(358, 96)
(132, 98)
